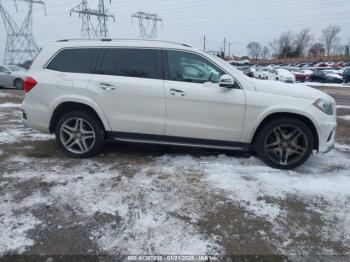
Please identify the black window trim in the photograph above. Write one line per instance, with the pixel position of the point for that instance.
(166, 63)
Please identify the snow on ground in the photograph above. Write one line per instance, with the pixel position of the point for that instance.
(5, 94)
(315, 84)
(146, 204)
(156, 207)
(14, 224)
(346, 118)
(11, 128)
(341, 147)
(9, 105)
(156, 204)
(343, 107)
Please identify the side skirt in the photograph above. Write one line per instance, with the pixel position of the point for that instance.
(178, 141)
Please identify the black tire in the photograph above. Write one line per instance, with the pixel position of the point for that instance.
(18, 84)
(95, 127)
(270, 157)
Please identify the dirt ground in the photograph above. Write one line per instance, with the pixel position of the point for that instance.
(137, 199)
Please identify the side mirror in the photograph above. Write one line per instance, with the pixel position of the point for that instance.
(227, 81)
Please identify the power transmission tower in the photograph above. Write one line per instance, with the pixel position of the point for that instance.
(88, 30)
(145, 19)
(12, 32)
(21, 45)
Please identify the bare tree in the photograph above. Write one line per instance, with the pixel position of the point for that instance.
(265, 52)
(254, 50)
(339, 49)
(302, 42)
(330, 37)
(282, 46)
(317, 49)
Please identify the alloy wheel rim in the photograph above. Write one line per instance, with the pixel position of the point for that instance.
(77, 135)
(19, 84)
(286, 144)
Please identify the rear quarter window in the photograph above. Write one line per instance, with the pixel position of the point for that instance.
(78, 60)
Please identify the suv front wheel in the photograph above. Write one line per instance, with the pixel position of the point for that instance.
(285, 143)
(79, 135)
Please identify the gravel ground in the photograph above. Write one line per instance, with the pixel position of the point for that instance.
(136, 199)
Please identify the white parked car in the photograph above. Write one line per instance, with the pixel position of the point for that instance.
(156, 92)
(12, 76)
(282, 75)
(261, 73)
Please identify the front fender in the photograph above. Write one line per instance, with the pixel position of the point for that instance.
(253, 123)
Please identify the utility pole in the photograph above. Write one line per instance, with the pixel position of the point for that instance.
(229, 48)
(20, 44)
(144, 20)
(224, 47)
(204, 43)
(88, 30)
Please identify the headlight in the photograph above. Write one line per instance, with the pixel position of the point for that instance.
(325, 106)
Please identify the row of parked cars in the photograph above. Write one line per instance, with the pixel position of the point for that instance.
(12, 76)
(291, 73)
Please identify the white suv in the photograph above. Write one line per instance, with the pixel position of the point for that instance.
(168, 93)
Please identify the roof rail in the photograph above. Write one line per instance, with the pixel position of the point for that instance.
(122, 39)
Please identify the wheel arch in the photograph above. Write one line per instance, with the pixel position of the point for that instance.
(70, 106)
(277, 115)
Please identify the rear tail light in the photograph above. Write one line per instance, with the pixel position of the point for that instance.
(29, 83)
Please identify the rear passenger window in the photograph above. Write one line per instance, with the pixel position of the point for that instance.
(141, 63)
(82, 60)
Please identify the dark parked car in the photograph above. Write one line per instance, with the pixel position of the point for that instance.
(346, 75)
(325, 77)
(246, 70)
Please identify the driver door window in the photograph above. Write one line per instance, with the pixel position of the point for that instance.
(196, 106)
(191, 68)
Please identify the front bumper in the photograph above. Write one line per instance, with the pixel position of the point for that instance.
(327, 137)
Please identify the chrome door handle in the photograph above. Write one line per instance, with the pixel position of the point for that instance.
(177, 92)
(106, 86)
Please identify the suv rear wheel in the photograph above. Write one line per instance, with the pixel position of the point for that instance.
(79, 135)
(285, 143)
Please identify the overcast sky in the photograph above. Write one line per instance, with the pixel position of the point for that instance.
(240, 21)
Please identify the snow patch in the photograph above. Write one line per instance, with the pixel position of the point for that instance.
(10, 136)
(149, 210)
(343, 107)
(346, 118)
(9, 105)
(316, 84)
(153, 208)
(4, 94)
(15, 222)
